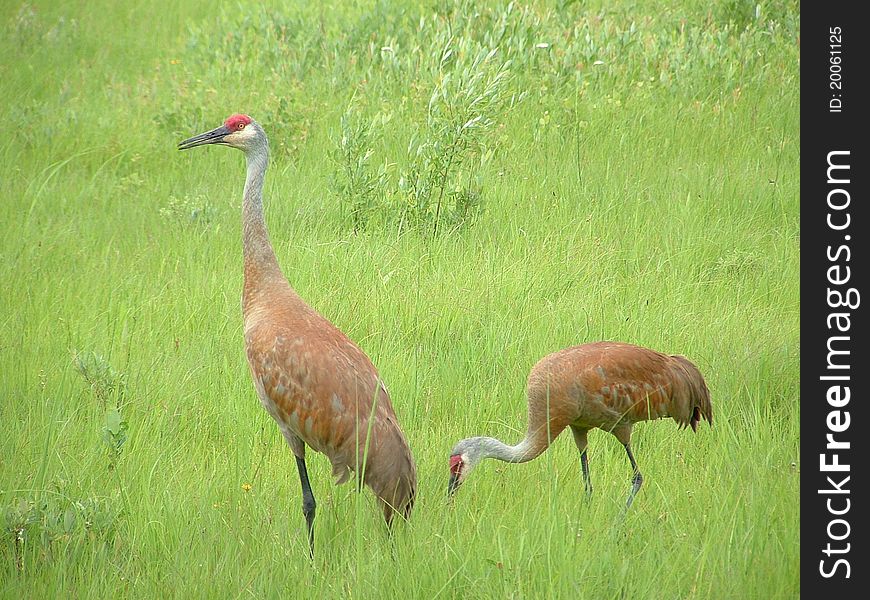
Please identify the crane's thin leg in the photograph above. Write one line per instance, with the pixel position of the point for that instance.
(393, 551)
(584, 463)
(581, 440)
(636, 480)
(308, 503)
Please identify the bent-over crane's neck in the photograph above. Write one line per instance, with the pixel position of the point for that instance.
(261, 265)
(522, 452)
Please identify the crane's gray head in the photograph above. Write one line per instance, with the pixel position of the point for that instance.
(238, 131)
(463, 458)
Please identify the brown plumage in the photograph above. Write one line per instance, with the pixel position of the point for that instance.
(320, 388)
(605, 385)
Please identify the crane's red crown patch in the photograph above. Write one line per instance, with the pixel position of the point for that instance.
(455, 464)
(233, 121)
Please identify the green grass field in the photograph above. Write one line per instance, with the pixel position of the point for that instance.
(624, 171)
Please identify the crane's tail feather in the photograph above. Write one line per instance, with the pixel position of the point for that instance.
(698, 400)
(399, 500)
(392, 475)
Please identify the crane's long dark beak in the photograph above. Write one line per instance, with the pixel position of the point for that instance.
(453, 485)
(215, 136)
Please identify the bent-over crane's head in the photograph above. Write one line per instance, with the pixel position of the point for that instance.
(463, 458)
(238, 131)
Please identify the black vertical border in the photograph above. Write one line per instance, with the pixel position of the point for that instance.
(823, 131)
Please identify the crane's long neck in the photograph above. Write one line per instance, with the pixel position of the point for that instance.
(261, 265)
(525, 451)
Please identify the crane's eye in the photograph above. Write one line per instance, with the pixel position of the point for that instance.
(240, 126)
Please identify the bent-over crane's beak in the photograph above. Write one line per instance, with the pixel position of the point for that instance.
(453, 485)
(215, 136)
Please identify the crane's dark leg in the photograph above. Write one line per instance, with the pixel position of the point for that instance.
(308, 504)
(636, 480)
(389, 520)
(581, 440)
(584, 463)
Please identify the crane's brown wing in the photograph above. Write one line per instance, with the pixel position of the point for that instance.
(607, 384)
(316, 382)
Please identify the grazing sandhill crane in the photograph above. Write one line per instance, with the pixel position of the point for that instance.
(321, 389)
(609, 385)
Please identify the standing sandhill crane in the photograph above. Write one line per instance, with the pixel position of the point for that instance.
(609, 385)
(321, 389)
